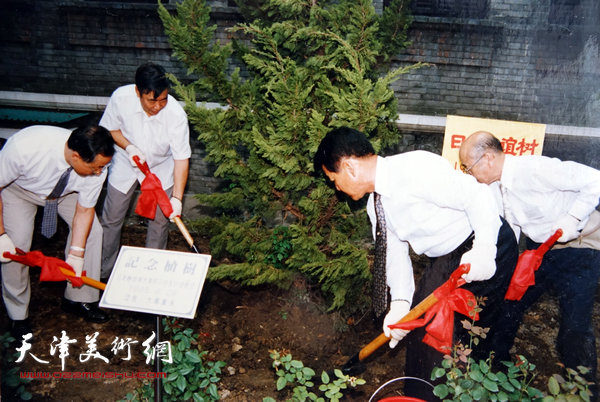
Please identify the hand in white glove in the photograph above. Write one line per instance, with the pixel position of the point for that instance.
(398, 309)
(569, 225)
(176, 205)
(6, 245)
(482, 258)
(76, 263)
(132, 150)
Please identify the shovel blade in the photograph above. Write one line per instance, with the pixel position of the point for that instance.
(354, 366)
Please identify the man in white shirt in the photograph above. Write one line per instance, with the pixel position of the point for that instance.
(145, 121)
(31, 163)
(541, 195)
(438, 212)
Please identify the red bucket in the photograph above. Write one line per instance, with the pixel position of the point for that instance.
(399, 398)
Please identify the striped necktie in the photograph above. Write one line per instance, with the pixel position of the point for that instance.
(380, 292)
(51, 206)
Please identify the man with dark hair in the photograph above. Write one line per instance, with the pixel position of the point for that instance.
(145, 121)
(541, 195)
(435, 210)
(32, 161)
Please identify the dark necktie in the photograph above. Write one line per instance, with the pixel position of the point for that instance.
(380, 293)
(51, 206)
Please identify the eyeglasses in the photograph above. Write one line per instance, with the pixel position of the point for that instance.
(98, 169)
(466, 169)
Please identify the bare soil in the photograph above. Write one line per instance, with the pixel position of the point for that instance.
(238, 326)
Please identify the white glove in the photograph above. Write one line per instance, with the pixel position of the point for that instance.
(6, 245)
(569, 225)
(132, 150)
(398, 309)
(482, 258)
(76, 263)
(176, 205)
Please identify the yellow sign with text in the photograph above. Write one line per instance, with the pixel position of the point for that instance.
(517, 138)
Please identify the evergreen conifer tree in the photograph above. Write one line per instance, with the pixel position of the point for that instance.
(309, 66)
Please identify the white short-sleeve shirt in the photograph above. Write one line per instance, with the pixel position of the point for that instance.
(34, 159)
(162, 138)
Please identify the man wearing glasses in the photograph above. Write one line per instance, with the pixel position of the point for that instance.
(32, 162)
(539, 196)
(437, 211)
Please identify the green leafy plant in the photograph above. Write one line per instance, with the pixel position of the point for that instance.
(469, 380)
(190, 376)
(289, 72)
(281, 247)
(574, 388)
(293, 373)
(10, 372)
(477, 381)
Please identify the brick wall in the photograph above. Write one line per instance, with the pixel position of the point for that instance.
(535, 61)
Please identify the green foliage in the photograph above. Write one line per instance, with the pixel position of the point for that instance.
(574, 388)
(307, 67)
(294, 374)
(470, 380)
(477, 381)
(10, 372)
(190, 377)
(281, 247)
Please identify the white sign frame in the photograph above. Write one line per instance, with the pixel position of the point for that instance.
(161, 282)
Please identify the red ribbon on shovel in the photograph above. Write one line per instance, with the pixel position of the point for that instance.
(453, 282)
(441, 315)
(53, 269)
(529, 262)
(152, 194)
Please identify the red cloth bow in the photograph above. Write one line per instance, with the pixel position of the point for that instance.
(441, 329)
(529, 262)
(50, 266)
(152, 194)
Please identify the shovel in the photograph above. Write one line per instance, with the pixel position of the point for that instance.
(529, 261)
(165, 205)
(36, 258)
(354, 365)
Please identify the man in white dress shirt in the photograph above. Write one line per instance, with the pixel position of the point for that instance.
(541, 195)
(31, 163)
(145, 121)
(437, 211)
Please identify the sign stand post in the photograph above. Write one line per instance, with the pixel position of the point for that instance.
(157, 363)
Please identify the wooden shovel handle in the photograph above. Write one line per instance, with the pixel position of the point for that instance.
(88, 281)
(413, 314)
(183, 230)
(455, 280)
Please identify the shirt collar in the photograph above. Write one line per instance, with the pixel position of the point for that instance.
(508, 171)
(382, 178)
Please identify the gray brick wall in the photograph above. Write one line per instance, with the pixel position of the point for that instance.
(527, 60)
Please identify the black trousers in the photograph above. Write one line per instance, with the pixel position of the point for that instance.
(572, 275)
(421, 358)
